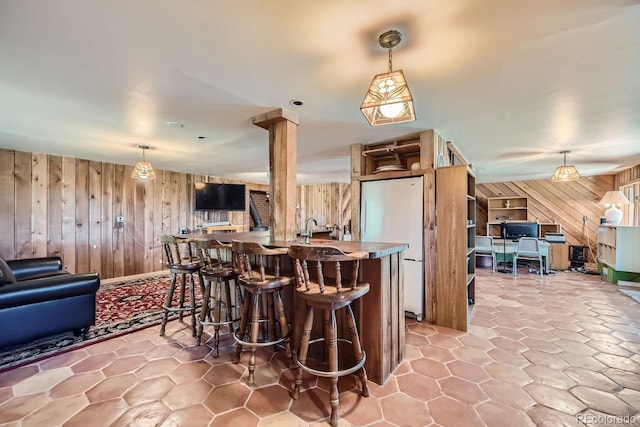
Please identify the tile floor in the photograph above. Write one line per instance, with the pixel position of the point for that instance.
(563, 350)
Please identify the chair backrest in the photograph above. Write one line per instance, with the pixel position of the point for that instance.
(180, 252)
(484, 244)
(205, 248)
(527, 246)
(324, 255)
(244, 252)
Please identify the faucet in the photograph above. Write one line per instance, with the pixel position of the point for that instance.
(307, 232)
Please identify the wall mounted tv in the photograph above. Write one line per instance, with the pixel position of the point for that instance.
(220, 197)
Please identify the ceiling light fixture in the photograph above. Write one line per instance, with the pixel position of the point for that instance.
(143, 170)
(388, 99)
(565, 173)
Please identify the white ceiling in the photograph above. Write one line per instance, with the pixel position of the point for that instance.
(511, 83)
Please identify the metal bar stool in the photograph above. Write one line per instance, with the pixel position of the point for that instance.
(311, 287)
(263, 301)
(218, 309)
(182, 260)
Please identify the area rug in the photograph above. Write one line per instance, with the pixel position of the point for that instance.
(121, 308)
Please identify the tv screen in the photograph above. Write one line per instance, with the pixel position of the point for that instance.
(219, 197)
(515, 230)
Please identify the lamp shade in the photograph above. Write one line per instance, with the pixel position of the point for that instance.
(143, 169)
(565, 173)
(388, 100)
(612, 198)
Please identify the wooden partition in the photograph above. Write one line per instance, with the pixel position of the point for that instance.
(329, 203)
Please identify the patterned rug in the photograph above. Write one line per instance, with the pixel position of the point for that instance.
(121, 308)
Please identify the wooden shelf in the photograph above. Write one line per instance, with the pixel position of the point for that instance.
(618, 247)
(455, 247)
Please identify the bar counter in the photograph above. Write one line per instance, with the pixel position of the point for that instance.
(380, 313)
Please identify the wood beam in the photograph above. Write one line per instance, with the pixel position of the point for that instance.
(282, 127)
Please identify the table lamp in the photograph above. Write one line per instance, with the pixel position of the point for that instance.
(611, 200)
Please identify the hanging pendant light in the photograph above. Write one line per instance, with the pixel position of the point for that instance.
(565, 173)
(143, 170)
(388, 99)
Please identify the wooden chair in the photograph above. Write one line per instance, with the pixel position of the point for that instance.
(528, 249)
(182, 260)
(484, 248)
(218, 309)
(262, 302)
(312, 287)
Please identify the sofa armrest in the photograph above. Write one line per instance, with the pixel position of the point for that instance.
(32, 268)
(47, 289)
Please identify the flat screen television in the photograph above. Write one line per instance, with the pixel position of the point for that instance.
(211, 196)
(515, 230)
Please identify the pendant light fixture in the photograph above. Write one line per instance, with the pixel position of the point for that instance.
(143, 170)
(565, 173)
(388, 99)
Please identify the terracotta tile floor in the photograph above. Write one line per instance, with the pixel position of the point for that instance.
(563, 350)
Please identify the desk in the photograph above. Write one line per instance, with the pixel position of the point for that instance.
(379, 313)
(505, 249)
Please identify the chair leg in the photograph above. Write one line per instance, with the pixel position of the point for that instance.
(192, 295)
(284, 326)
(514, 266)
(243, 326)
(182, 291)
(255, 327)
(167, 304)
(357, 349)
(203, 313)
(332, 349)
(303, 349)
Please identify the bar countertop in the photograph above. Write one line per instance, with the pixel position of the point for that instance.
(374, 249)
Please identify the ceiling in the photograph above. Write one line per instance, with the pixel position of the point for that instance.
(511, 83)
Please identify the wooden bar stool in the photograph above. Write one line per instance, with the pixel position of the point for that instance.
(218, 309)
(182, 260)
(311, 287)
(263, 301)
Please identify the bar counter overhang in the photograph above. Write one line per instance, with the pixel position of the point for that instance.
(380, 313)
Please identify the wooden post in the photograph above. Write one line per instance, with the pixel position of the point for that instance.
(282, 126)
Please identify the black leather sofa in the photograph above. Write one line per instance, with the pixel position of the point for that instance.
(38, 299)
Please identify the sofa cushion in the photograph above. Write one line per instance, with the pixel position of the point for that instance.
(6, 275)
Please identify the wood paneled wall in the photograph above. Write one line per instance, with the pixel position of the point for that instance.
(566, 203)
(67, 207)
(328, 203)
(627, 176)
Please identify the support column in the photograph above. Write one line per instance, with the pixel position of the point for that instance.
(282, 126)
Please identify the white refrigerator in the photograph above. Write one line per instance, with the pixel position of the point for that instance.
(391, 211)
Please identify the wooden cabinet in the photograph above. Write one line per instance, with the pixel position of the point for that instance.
(618, 249)
(455, 246)
(548, 227)
(449, 263)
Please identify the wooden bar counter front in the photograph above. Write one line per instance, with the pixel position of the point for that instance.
(380, 313)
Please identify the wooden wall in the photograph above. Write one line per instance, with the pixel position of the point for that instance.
(627, 176)
(67, 207)
(566, 202)
(328, 203)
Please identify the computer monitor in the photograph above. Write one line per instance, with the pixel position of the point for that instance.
(515, 230)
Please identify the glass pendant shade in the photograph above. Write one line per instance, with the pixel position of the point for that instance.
(143, 169)
(565, 172)
(388, 100)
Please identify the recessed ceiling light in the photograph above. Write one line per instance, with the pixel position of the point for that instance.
(296, 103)
(203, 138)
(175, 124)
